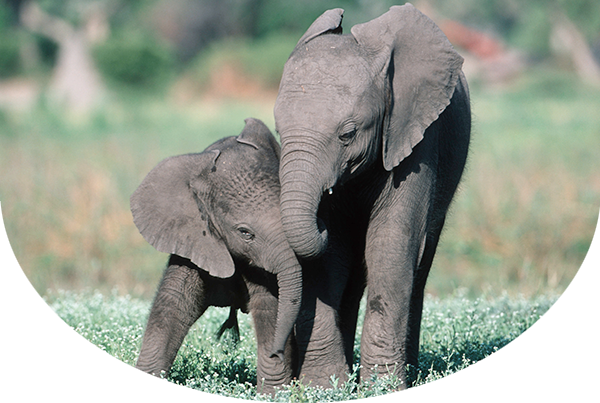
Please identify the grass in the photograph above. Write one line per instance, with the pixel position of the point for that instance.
(521, 222)
(526, 211)
(83, 346)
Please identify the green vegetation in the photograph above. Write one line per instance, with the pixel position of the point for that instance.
(82, 347)
(9, 57)
(259, 61)
(134, 59)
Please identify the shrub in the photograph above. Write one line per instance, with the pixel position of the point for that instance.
(9, 54)
(134, 59)
(259, 60)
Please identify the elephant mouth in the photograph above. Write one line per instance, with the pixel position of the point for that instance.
(325, 205)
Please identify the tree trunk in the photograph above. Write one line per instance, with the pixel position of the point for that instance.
(568, 43)
(75, 83)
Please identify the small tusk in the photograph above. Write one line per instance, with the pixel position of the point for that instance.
(330, 191)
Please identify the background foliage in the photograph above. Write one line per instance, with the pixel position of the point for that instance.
(189, 27)
(524, 24)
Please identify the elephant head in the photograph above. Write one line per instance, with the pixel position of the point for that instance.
(350, 102)
(221, 207)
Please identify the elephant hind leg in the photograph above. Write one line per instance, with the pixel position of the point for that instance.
(179, 302)
(349, 311)
(416, 304)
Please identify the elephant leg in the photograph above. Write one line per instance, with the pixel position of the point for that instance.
(270, 371)
(321, 345)
(318, 328)
(179, 302)
(394, 247)
(349, 311)
(416, 304)
(386, 324)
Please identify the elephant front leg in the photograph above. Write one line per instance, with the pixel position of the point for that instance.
(321, 346)
(385, 330)
(179, 302)
(320, 325)
(394, 300)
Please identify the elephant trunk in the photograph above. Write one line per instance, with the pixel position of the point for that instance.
(289, 281)
(300, 198)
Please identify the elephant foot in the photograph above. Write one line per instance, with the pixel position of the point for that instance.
(325, 380)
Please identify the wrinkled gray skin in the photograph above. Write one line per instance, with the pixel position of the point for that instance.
(217, 213)
(375, 127)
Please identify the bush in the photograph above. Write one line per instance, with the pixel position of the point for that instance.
(259, 60)
(134, 59)
(9, 54)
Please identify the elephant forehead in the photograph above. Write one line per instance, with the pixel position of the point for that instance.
(247, 189)
(325, 74)
(319, 101)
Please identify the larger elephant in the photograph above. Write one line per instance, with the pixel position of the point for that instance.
(375, 128)
(217, 213)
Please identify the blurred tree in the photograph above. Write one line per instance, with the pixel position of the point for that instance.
(9, 45)
(585, 14)
(568, 44)
(75, 82)
(190, 25)
(78, 27)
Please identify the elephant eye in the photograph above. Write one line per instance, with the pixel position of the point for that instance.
(245, 233)
(348, 135)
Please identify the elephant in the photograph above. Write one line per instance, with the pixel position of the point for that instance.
(375, 129)
(217, 214)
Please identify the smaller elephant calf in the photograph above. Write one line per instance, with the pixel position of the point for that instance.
(217, 214)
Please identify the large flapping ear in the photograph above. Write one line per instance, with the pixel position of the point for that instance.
(256, 134)
(167, 212)
(423, 68)
(329, 22)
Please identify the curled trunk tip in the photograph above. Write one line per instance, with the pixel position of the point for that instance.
(301, 192)
(308, 247)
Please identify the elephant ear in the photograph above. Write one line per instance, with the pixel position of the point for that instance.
(423, 69)
(170, 214)
(256, 134)
(329, 22)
